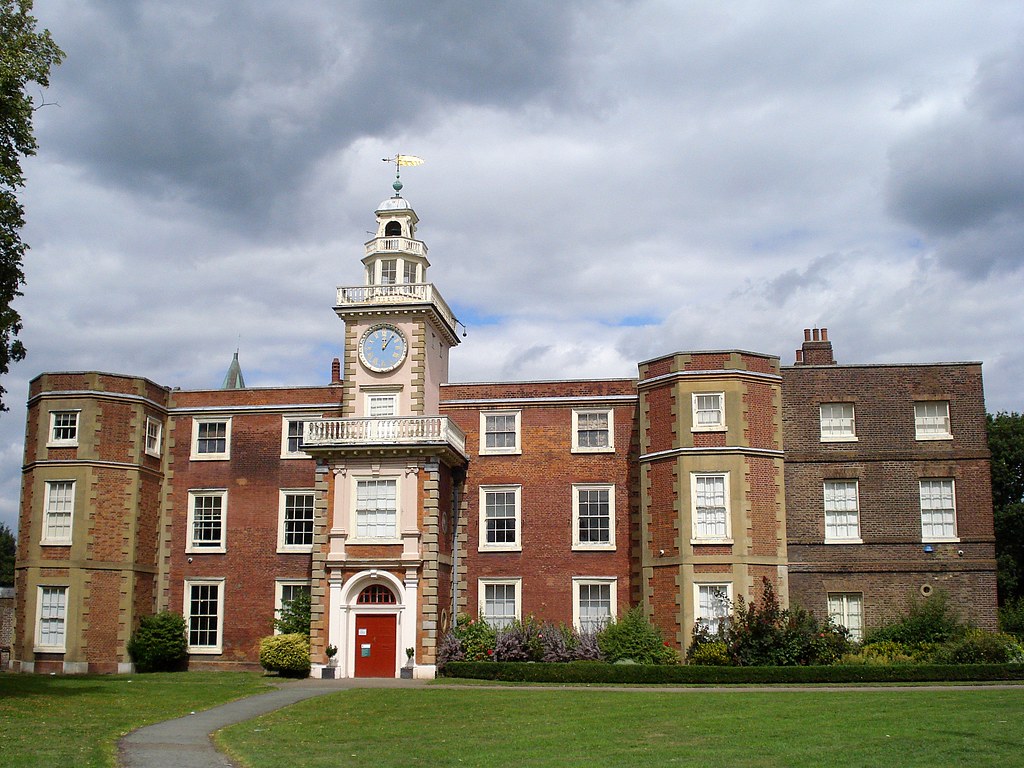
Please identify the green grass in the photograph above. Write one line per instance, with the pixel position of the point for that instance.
(51, 722)
(542, 727)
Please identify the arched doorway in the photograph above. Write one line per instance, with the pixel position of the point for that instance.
(376, 645)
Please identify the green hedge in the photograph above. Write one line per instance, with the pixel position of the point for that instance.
(598, 672)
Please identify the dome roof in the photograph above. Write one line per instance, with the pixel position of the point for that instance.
(395, 203)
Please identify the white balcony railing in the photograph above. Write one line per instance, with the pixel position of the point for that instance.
(396, 245)
(411, 430)
(396, 293)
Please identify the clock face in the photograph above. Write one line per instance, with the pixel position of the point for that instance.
(382, 348)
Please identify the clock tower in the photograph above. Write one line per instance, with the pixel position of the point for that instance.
(390, 470)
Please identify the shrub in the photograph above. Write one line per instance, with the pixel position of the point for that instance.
(1011, 618)
(288, 655)
(714, 653)
(295, 615)
(931, 620)
(470, 640)
(764, 634)
(519, 641)
(450, 649)
(589, 648)
(558, 643)
(159, 644)
(979, 647)
(633, 637)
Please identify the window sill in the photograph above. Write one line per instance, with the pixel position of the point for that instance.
(844, 541)
(372, 542)
(937, 540)
(299, 455)
(154, 454)
(926, 438)
(55, 543)
(593, 547)
(204, 650)
(492, 548)
(193, 550)
(210, 457)
(711, 542)
(715, 428)
(48, 649)
(500, 452)
(63, 444)
(295, 550)
(850, 439)
(603, 449)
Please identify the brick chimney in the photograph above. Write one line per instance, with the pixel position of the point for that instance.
(816, 349)
(336, 371)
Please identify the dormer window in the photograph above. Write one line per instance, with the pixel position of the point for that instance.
(393, 229)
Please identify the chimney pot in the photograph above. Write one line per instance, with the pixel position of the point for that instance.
(799, 356)
(807, 334)
(824, 334)
(336, 371)
(815, 332)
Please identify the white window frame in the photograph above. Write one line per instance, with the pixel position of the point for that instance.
(382, 398)
(481, 591)
(932, 427)
(517, 545)
(407, 266)
(584, 412)
(394, 538)
(220, 547)
(717, 426)
(502, 450)
(226, 454)
(51, 512)
(153, 437)
(60, 619)
(829, 504)
(393, 274)
(577, 542)
(839, 611)
(837, 428)
(279, 587)
(951, 537)
(286, 453)
(282, 522)
(63, 442)
(698, 613)
(579, 581)
(697, 538)
(187, 614)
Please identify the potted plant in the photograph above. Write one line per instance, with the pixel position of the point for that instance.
(406, 671)
(332, 662)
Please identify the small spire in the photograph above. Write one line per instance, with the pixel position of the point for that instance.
(234, 379)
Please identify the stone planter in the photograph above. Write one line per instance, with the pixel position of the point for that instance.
(327, 673)
(405, 673)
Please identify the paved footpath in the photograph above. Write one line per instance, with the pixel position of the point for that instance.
(186, 743)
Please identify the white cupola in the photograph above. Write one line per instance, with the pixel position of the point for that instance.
(395, 256)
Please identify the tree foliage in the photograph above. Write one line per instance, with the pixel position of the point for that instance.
(296, 615)
(1006, 441)
(7, 549)
(26, 57)
(159, 644)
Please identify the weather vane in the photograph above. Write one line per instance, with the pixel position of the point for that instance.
(400, 161)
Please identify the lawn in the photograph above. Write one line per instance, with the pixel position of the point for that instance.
(52, 722)
(467, 727)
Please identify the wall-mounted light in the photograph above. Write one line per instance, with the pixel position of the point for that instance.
(928, 548)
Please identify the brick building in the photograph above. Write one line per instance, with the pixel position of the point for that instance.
(399, 499)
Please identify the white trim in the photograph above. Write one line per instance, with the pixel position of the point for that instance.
(952, 493)
(286, 420)
(613, 588)
(856, 510)
(924, 424)
(46, 538)
(695, 425)
(609, 545)
(68, 442)
(210, 456)
(282, 503)
(190, 544)
(158, 438)
(38, 645)
(354, 537)
(607, 412)
(501, 450)
(727, 492)
(698, 614)
(279, 585)
(838, 605)
(481, 593)
(838, 433)
(516, 546)
(217, 581)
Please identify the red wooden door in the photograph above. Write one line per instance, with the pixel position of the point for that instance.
(376, 645)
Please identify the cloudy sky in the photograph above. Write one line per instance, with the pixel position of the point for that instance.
(605, 182)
